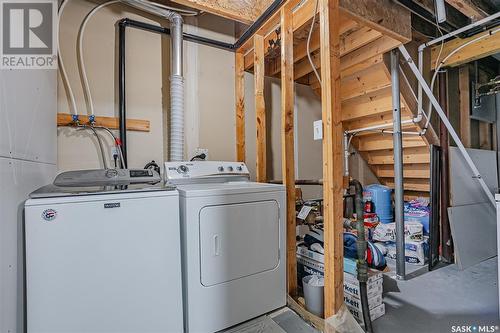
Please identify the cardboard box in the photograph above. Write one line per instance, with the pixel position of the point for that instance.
(307, 266)
(415, 251)
(355, 302)
(374, 289)
(375, 313)
(386, 232)
(349, 264)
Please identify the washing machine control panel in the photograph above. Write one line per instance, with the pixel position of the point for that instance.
(197, 170)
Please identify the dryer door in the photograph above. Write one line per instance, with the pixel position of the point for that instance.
(238, 240)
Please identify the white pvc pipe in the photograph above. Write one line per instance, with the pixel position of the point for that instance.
(447, 123)
(377, 127)
(463, 29)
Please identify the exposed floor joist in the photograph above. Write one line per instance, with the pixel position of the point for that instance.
(488, 45)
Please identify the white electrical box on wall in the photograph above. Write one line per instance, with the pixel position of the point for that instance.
(318, 130)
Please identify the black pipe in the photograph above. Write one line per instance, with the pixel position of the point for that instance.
(126, 22)
(258, 23)
(208, 41)
(446, 237)
(166, 31)
(122, 116)
(361, 265)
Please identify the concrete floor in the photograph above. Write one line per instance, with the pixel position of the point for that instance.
(436, 300)
(431, 302)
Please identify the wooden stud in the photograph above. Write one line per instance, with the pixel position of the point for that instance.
(260, 108)
(332, 155)
(66, 119)
(287, 143)
(485, 135)
(240, 106)
(465, 104)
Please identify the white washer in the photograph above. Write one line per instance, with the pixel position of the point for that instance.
(233, 244)
(102, 255)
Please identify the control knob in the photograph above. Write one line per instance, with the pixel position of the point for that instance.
(182, 169)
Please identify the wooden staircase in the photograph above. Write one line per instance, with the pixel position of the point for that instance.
(365, 93)
(368, 102)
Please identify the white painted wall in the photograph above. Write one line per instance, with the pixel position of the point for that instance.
(27, 161)
(209, 82)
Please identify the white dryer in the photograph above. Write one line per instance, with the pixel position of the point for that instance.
(233, 244)
(103, 254)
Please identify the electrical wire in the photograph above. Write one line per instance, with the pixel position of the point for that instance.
(308, 45)
(81, 62)
(99, 141)
(64, 75)
(81, 32)
(443, 62)
(115, 140)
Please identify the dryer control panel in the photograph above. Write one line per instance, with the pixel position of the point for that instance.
(197, 171)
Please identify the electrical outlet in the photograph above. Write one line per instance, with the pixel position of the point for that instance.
(199, 151)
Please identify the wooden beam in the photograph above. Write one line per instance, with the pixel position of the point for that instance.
(287, 143)
(384, 141)
(260, 108)
(386, 16)
(410, 171)
(488, 45)
(416, 155)
(410, 184)
(363, 58)
(359, 84)
(66, 119)
(465, 105)
(239, 90)
(468, 8)
(332, 155)
(245, 11)
(378, 102)
(373, 120)
(485, 135)
(348, 43)
(299, 308)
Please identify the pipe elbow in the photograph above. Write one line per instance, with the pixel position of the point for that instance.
(174, 17)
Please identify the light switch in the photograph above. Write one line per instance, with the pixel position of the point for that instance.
(318, 130)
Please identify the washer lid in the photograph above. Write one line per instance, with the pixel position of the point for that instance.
(51, 191)
(201, 190)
